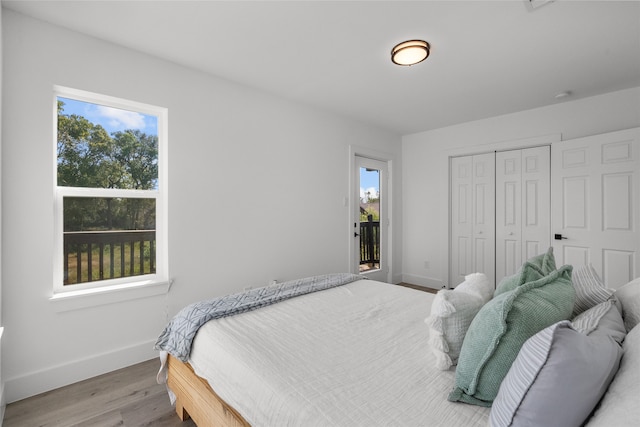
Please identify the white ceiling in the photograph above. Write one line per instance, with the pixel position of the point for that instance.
(488, 57)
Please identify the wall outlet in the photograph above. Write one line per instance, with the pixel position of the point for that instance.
(426, 264)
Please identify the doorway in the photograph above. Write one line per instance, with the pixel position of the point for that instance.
(370, 222)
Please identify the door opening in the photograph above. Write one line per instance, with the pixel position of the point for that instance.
(370, 219)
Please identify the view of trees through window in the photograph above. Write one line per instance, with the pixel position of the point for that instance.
(106, 233)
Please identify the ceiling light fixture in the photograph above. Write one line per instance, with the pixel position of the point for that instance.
(410, 52)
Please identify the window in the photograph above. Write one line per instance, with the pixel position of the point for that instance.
(110, 208)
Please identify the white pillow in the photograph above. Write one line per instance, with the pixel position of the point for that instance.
(629, 297)
(590, 290)
(451, 314)
(619, 406)
(477, 284)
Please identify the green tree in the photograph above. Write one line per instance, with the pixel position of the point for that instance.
(87, 156)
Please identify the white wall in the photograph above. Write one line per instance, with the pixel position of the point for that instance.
(2, 395)
(425, 166)
(256, 193)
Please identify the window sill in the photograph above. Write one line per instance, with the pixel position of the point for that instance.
(76, 300)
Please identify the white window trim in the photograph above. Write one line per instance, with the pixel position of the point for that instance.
(120, 289)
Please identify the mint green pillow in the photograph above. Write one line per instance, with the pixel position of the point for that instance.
(546, 261)
(501, 327)
(542, 264)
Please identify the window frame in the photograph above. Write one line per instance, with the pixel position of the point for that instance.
(159, 194)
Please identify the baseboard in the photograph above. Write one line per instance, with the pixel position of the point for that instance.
(59, 376)
(423, 281)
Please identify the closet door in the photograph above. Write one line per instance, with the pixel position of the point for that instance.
(523, 209)
(508, 213)
(472, 216)
(596, 199)
(484, 215)
(460, 263)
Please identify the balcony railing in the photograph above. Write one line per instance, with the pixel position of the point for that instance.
(100, 255)
(369, 244)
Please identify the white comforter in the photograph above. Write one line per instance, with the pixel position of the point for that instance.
(355, 355)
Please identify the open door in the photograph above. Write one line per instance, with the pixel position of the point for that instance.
(370, 222)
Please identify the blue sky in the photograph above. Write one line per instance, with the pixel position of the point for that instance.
(369, 181)
(111, 119)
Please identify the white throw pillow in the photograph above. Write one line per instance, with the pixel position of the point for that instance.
(619, 406)
(629, 297)
(451, 314)
(477, 284)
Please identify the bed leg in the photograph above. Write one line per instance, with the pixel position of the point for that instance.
(182, 413)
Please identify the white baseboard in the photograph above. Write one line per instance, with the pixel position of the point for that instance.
(61, 375)
(423, 281)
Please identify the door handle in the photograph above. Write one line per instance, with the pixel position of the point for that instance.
(559, 237)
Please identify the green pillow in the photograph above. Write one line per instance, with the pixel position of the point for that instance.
(543, 264)
(501, 327)
(546, 261)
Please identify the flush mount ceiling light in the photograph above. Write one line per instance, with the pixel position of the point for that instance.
(410, 52)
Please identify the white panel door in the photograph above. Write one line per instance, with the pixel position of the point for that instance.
(596, 199)
(472, 216)
(508, 213)
(536, 201)
(460, 263)
(523, 210)
(484, 215)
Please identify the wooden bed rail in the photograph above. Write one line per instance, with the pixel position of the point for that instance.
(195, 399)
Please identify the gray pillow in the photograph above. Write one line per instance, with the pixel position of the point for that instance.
(589, 288)
(558, 378)
(604, 319)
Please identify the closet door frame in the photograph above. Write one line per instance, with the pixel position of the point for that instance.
(483, 148)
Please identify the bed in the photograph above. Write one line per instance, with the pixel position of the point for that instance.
(355, 354)
(352, 354)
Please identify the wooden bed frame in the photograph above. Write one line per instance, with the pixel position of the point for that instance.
(196, 399)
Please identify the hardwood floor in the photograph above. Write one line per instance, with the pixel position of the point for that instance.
(420, 288)
(127, 397)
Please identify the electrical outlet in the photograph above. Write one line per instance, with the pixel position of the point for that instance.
(426, 264)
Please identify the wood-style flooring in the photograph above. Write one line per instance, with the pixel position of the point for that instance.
(127, 397)
(418, 287)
